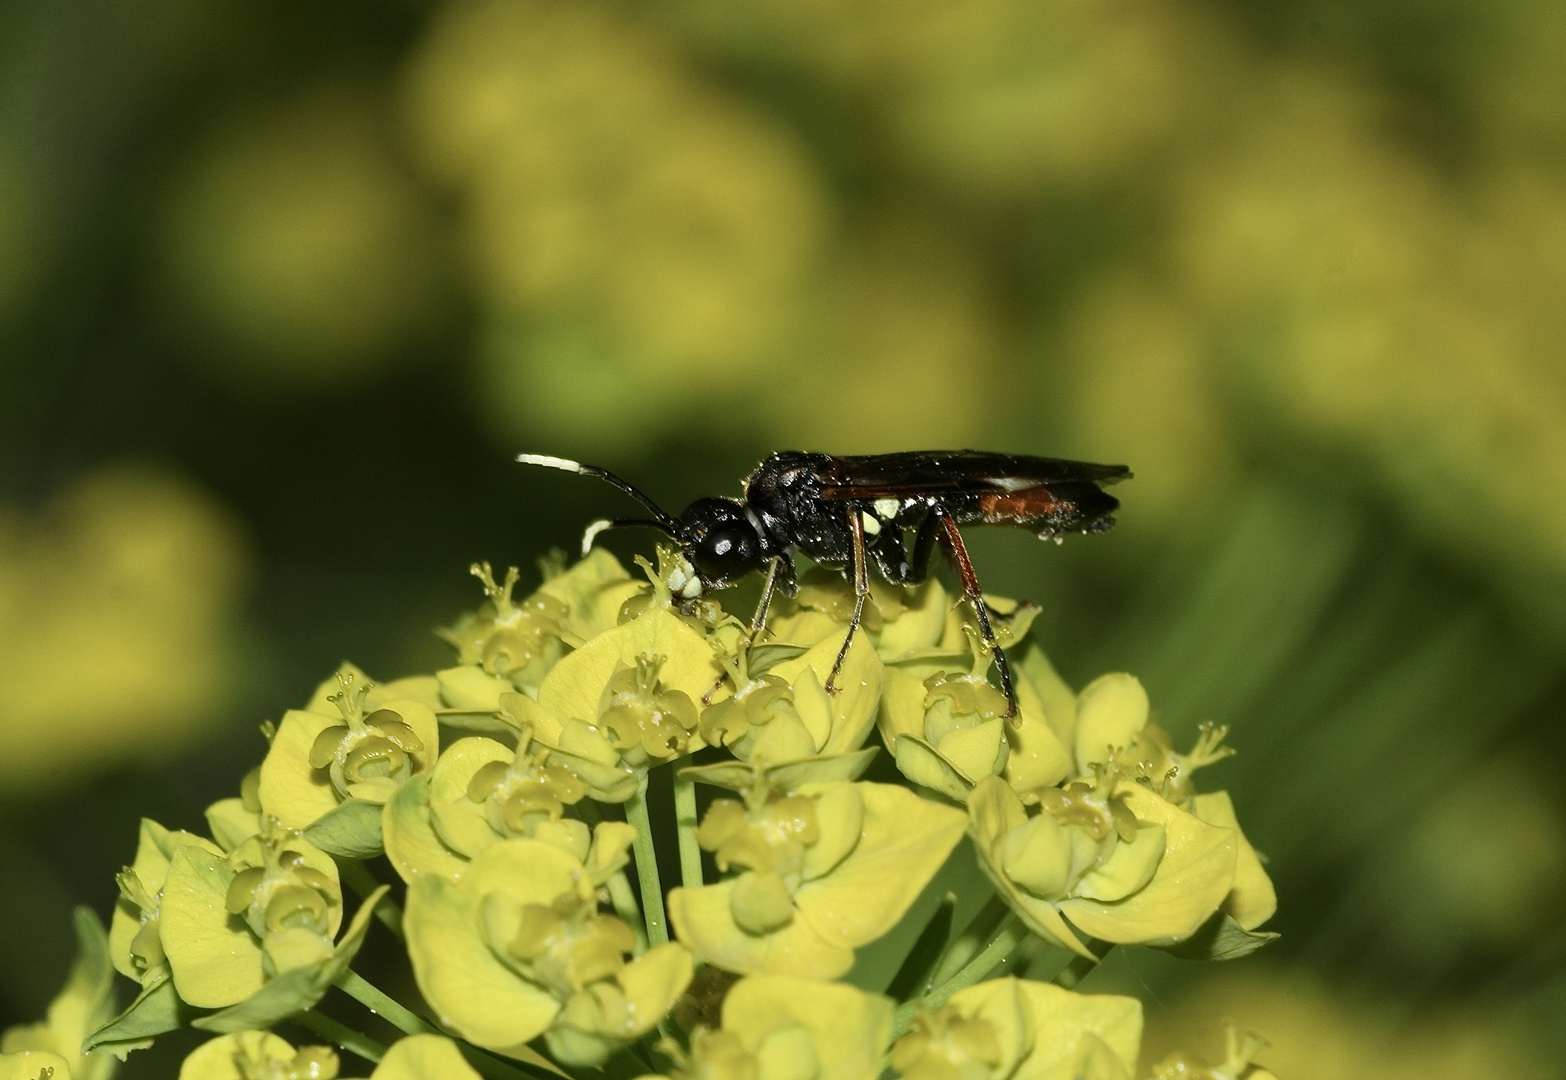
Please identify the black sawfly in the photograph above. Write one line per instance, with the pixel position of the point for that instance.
(847, 513)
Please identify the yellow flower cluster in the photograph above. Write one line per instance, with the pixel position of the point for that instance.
(513, 795)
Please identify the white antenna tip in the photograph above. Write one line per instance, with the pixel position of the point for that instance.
(592, 532)
(564, 464)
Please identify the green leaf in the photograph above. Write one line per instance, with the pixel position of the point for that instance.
(294, 991)
(1057, 698)
(350, 830)
(291, 790)
(154, 849)
(573, 687)
(919, 626)
(1221, 938)
(848, 1029)
(156, 1010)
(85, 1002)
(1252, 900)
(854, 707)
(765, 657)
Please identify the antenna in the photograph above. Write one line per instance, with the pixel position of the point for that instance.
(667, 522)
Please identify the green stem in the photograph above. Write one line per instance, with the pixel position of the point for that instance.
(685, 821)
(647, 867)
(625, 906)
(1076, 969)
(357, 877)
(383, 1005)
(1011, 934)
(355, 1042)
(973, 936)
(492, 1068)
(411, 1023)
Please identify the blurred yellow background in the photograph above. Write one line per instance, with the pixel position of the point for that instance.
(284, 287)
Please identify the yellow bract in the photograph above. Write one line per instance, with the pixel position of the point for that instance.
(516, 948)
(851, 867)
(1015, 1029)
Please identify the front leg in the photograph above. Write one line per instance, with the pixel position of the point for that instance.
(758, 621)
(861, 581)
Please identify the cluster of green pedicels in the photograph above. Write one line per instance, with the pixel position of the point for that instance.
(509, 794)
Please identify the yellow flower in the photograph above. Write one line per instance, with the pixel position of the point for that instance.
(776, 1026)
(783, 713)
(258, 1055)
(508, 646)
(1123, 864)
(517, 948)
(334, 764)
(823, 870)
(1015, 1029)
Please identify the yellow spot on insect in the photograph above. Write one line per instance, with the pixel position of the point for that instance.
(886, 508)
(871, 522)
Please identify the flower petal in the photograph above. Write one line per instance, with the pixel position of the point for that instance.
(1253, 900)
(472, 992)
(409, 835)
(1110, 710)
(903, 842)
(849, 1027)
(1195, 874)
(216, 960)
(573, 687)
(1061, 1019)
(424, 1057)
(703, 919)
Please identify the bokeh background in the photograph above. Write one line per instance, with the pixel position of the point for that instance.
(284, 286)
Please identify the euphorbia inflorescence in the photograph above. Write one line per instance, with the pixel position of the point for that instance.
(524, 808)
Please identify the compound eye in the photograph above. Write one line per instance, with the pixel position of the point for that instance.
(724, 554)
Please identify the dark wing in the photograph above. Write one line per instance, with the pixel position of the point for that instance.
(936, 472)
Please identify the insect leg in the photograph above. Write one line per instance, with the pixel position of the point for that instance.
(861, 579)
(758, 621)
(975, 597)
(924, 548)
